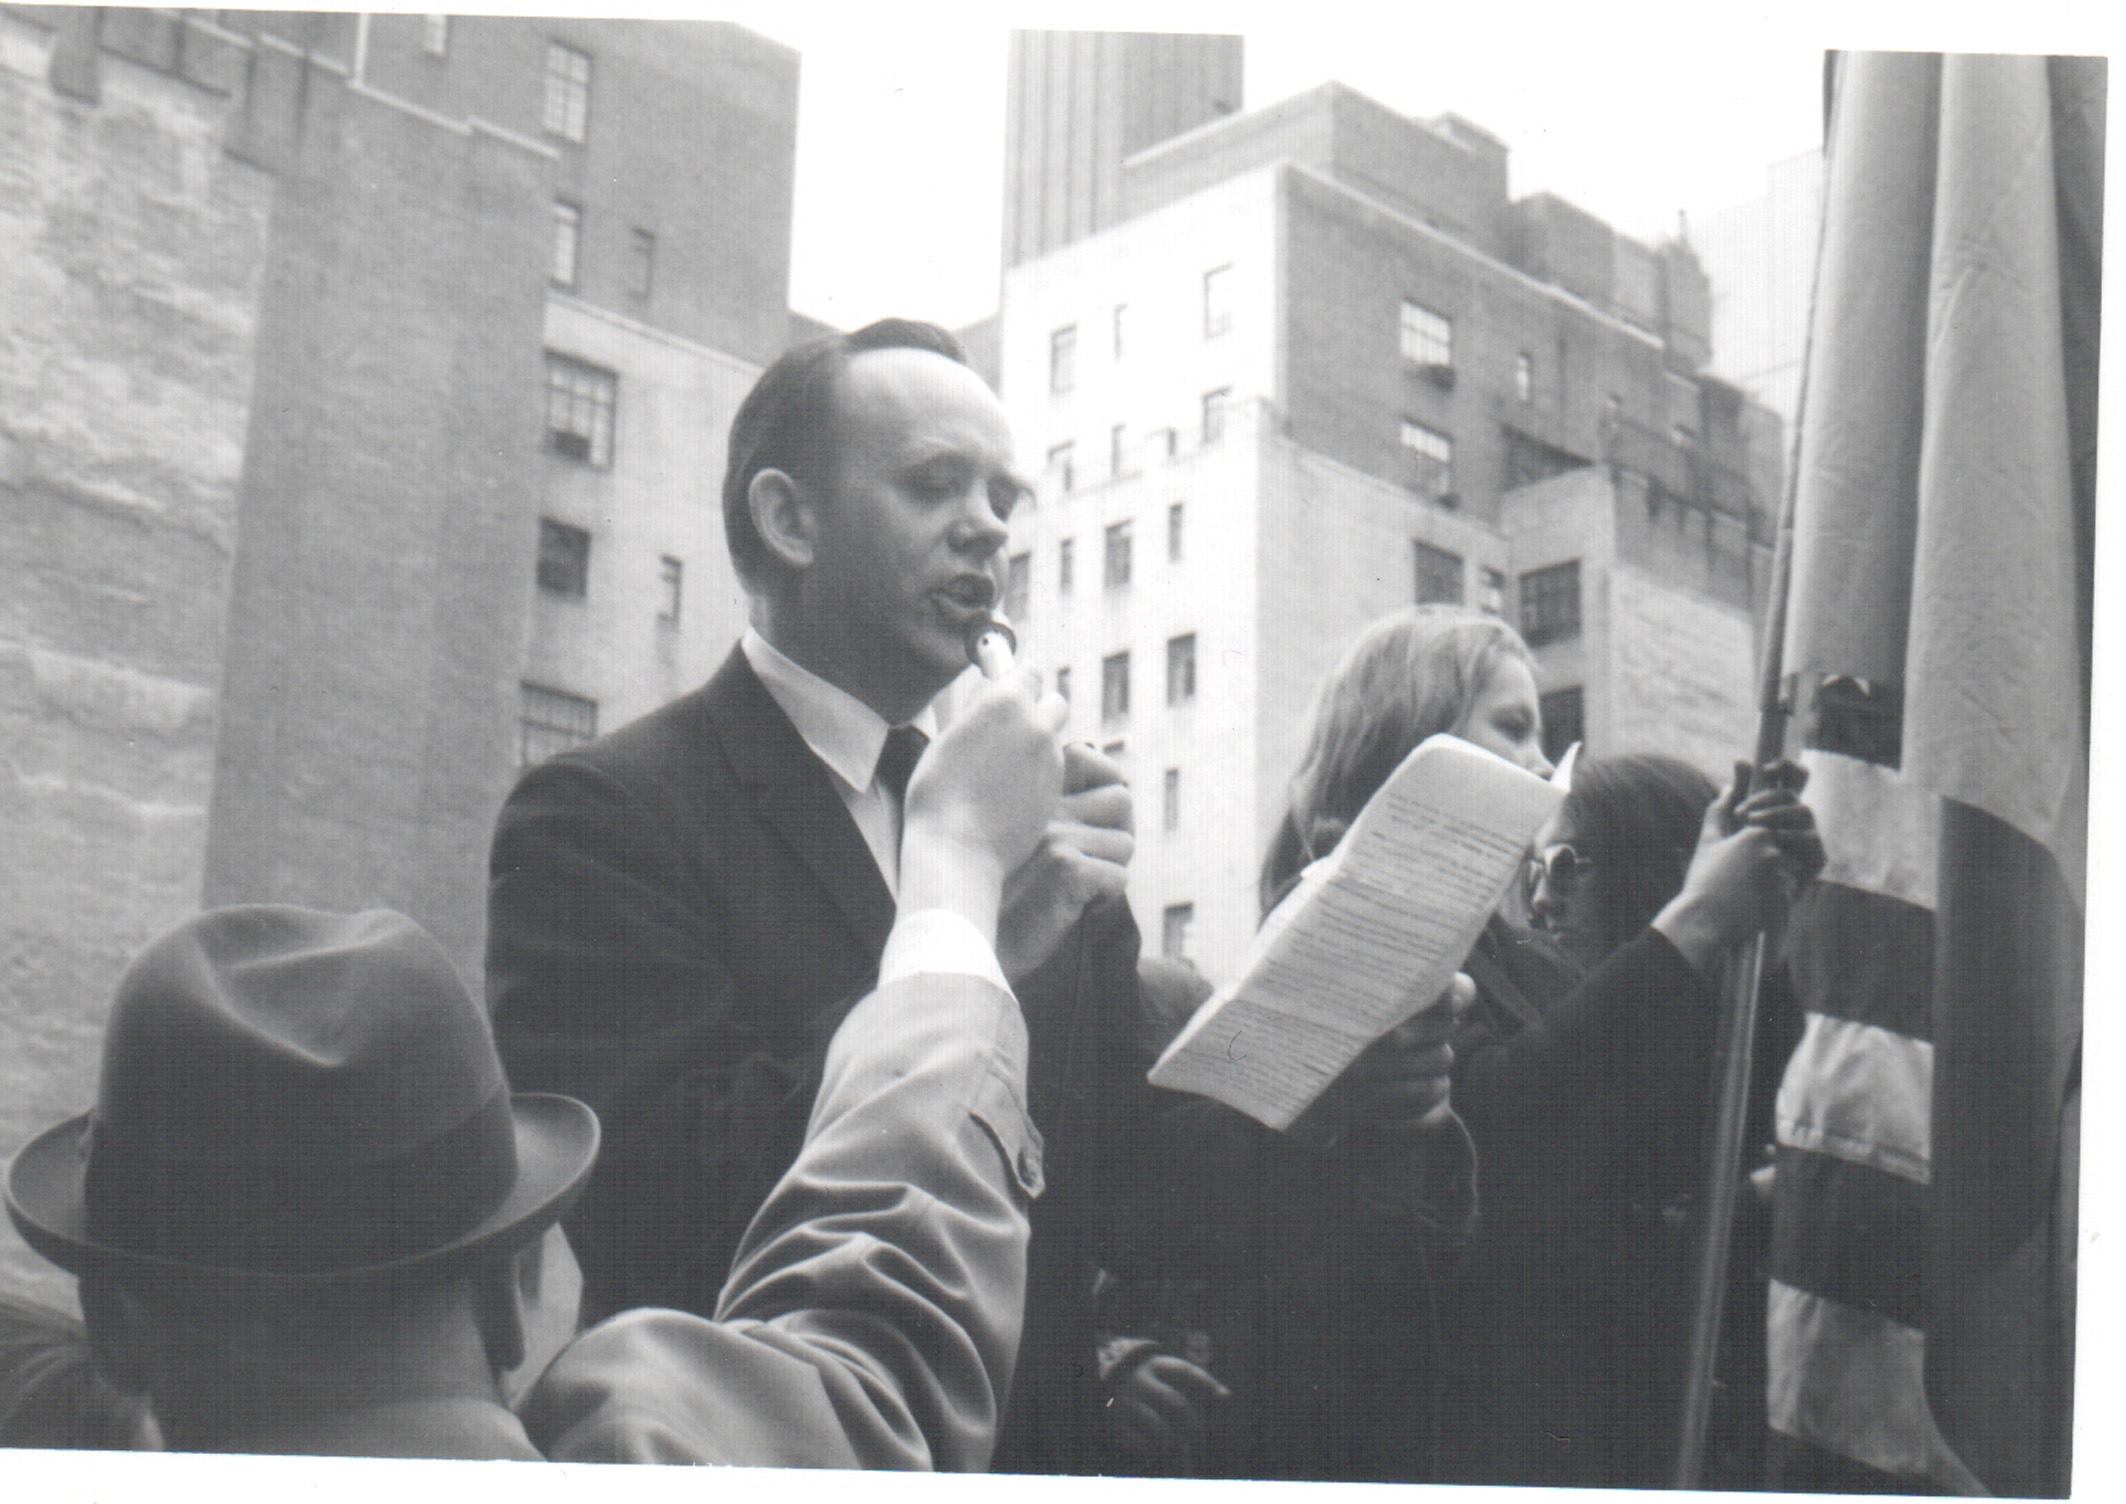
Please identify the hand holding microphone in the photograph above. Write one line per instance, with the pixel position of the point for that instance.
(982, 798)
(1084, 853)
(992, 646)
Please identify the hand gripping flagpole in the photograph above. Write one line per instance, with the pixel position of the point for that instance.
(1742, 979)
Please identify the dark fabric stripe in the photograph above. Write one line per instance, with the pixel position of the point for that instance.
(1999, 1321)
(1849, 1234)
(1863, 957)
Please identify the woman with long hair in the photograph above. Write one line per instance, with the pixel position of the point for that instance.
(1585, 1094)
(1419, 672)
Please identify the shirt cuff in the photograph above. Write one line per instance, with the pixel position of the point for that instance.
(938, 942)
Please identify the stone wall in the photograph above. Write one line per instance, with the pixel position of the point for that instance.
(379, 609)
(1682, 674)
(131, 251)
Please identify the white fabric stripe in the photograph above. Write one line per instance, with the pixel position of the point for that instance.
(1860, 1093)
(1881, 831)
(1853, 1383)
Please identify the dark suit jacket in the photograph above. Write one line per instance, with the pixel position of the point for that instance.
(680, 914)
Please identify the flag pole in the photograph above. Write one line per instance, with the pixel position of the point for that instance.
(1743, 973)
(1742, 979)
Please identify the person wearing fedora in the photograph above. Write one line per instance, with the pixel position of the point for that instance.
(297, 1206)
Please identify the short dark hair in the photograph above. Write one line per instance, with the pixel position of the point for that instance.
(786, 422)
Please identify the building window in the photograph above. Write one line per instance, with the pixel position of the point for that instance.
(564, 559)
(1564, 720)
(1063, 359)
(1217, 301)
(568, 92)
(1176, 523)
(579, 409)
(641, 262)
(1524, 377)
(435, 35)
(1214, 406)
(1167, 441)
(1118, 450)
(1491, 591)
(1114, 687)
(1118, 555)
(549, 721)
(1181, 669)
(1121, 329)
(1062, 464)
(671, 589)
(1063, 684)
(1064, 560)
(1432, 460)
(1428, 338)
(1550, 603)
(1173, 937)
(1170, 802)
(568, 235)
(1018, 585)
(1439, 576)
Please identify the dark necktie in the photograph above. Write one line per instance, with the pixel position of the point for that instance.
(896, 760)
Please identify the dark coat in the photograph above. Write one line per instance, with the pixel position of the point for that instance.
(680, 914)
(1308, 1277)
(1568, 1326)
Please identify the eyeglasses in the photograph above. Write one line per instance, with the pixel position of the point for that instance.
(1562, 864)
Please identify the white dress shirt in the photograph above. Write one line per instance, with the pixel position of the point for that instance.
(845, 734)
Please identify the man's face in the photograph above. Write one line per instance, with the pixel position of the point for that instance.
(910, 529)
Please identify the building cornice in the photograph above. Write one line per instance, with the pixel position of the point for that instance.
(1550, 290)
(651, 332)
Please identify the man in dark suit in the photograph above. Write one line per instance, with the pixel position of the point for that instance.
(682, 912)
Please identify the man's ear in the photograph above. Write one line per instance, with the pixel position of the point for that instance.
(786, 516)
(120, 1333)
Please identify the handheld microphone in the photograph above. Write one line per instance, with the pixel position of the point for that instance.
(991, 646)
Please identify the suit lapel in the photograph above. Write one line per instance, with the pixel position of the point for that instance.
(795, 796)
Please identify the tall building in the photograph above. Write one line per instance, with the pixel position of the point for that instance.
(361, 425)
(1321, 368)
(1761, 256)
(1079, 103)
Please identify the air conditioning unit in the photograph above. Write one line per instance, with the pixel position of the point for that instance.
(1451, 500)
(1441, 376)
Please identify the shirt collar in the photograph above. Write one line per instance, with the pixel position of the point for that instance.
(842, 731)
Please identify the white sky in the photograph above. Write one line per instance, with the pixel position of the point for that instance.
(1632, 111)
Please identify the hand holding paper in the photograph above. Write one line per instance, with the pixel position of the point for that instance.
(1373, 933)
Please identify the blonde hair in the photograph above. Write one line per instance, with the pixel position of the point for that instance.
(1409, 676)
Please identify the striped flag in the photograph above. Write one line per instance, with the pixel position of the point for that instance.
(1938, 642)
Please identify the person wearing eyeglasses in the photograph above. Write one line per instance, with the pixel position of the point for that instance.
(1581, 1081)
(1587, 1103)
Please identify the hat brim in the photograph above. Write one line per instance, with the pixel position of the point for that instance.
(557, 1143)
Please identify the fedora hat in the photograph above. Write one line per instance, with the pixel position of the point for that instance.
(291, 1095)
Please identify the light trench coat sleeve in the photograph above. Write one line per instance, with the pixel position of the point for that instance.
(873, 1313)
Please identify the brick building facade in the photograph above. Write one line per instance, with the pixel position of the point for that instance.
(323, 329)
